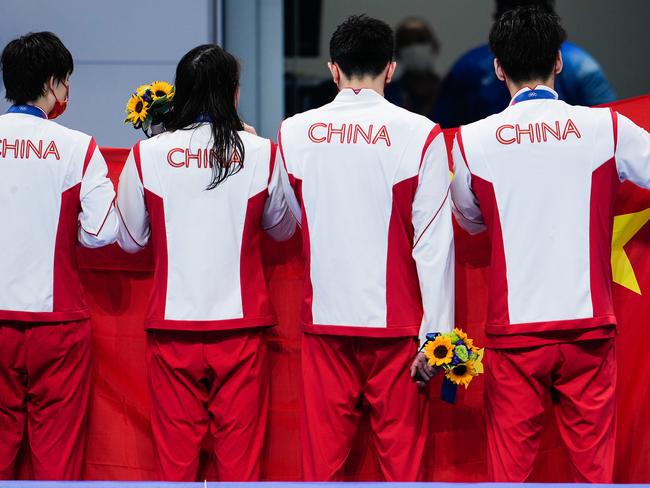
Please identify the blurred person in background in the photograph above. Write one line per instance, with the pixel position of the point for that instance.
(471, 90)
(416, 84)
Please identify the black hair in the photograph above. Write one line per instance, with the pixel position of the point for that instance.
(30, 61)
(526, 42)
(207, 78)
(362, 46)
(502, 6)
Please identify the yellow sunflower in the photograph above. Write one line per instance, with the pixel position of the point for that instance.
(439, 351)
(478, 362)
(469, 343)
(161, 89)
(142, 89)
(461, 374)
(136, 109)
(462, 335)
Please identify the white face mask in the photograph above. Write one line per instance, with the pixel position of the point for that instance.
(417, 57)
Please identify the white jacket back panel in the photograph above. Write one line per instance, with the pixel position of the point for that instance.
(207, 242)
(356, 165)
(545, 177)
(42, 168)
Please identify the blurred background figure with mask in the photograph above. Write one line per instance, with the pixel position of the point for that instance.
(471, 90)
(416, 84)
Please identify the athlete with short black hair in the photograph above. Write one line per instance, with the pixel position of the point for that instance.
(54, 195)
(370, 185)
(542, 178)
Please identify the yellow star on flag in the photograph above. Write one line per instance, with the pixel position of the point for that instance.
(625, 228)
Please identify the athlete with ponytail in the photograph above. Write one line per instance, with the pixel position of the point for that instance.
(201, 194)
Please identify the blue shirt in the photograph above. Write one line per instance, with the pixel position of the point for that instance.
(471, 91)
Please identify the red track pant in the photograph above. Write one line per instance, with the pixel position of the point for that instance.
(45, 373)
(338, 373)
(582, 376)
(209, 382)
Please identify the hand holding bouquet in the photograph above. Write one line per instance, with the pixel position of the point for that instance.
(455, 353)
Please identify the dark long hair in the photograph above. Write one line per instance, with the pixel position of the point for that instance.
(206, 83)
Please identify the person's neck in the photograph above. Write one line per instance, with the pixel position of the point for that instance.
(366, 83)
(41, 103)
(514, 88)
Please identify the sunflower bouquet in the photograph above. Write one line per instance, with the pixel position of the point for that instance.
(456, 354)
(148, 106)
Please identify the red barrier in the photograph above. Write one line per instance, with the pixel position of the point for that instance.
(120, 444)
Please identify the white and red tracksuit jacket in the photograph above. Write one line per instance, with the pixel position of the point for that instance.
(371, 186)
(542, 177)
(54, 192)
(208, 266)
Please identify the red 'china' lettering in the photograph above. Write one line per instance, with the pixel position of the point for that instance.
(570, 128)
(6, 147)
(320, 132)
(178, 157)
(311, 134)
(500, 137)
(529, 132)
(555, 133)
(170, 158)
(358, 131)
(26, 149)
(536, 132)
(51, 149)
(189, 156)
(331, 131)
(38, 152)
(382, 135)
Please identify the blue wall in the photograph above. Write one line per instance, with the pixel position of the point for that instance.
(117, 45)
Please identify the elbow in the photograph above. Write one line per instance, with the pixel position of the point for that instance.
(104, 242)
(284, 229)
(106, 236)
(130, 248)
(471, 226)
(281, 235)
(127, 243)
(92, 242)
